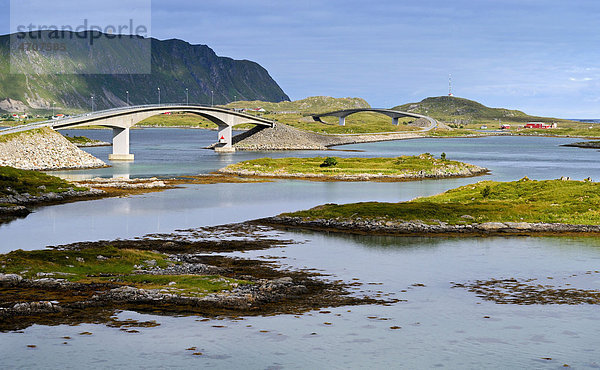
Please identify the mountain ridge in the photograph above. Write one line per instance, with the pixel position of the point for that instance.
(175, 65)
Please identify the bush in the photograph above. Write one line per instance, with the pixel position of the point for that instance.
(485, 192)
(443, 156)
(329, 162)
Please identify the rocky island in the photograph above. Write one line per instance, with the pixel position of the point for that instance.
(87, 282)
(404, 168)
(86, 142)
(524, 207)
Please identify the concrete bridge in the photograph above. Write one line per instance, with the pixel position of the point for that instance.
(122, 119)
(393, 114)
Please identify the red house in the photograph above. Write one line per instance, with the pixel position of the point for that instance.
(538, 125)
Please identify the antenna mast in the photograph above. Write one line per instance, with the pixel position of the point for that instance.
(450, 85)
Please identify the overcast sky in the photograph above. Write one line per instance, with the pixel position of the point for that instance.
(540, 56)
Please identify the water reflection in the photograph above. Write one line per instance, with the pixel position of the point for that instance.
(378, 241)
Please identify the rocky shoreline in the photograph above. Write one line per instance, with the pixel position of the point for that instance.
(117, 183)
(28, 199)
(420, 175)
(585, 144)
(418, 228)
(242, 297)
(20, 205)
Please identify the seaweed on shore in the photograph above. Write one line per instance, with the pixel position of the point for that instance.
(526, 292)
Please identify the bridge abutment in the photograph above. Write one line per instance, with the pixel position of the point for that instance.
(343, 121)
(120, 145)
(395, 121)
(225, 143)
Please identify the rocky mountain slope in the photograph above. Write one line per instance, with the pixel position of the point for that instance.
(175, 66)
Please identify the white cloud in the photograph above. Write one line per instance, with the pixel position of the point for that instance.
(581, 79)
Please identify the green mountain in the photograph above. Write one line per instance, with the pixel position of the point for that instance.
(313, 104)
(459, 110)
(175, 66)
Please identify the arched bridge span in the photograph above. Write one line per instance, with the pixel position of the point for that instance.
(122, 119)
(393, 114)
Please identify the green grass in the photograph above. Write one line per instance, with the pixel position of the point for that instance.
(109, 264)
(118, 262)
(10, 137)
(24, 181)
(351, 166)
(466, 112)
(451, 133)
(178, 120)
(548, 201)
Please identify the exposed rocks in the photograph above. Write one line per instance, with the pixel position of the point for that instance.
(261, 291)
(359, 225)
(28, 199)
(17, 204)
(30, 308)
(44, 149)
(12, 105)
(10, 279)
(265, 290)
(16, 211)
(188, 264)
(150, 183)
(249, 287)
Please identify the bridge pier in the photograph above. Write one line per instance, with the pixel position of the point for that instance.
(343, 121)
(225, 142)
(120, 145)
(395, 121)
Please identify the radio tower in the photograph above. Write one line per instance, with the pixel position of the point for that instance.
(450, 85)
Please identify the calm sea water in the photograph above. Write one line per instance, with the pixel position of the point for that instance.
(440, 326)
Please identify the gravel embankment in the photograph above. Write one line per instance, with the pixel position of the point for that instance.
(44, 149)
(283, 137)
